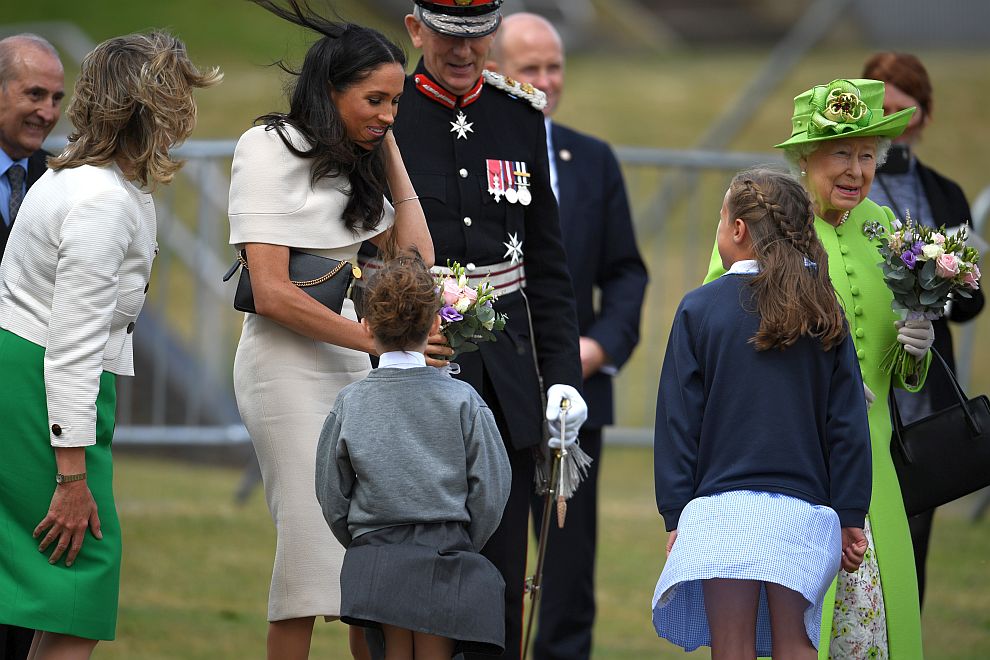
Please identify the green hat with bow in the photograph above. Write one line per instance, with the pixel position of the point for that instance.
(843, 109)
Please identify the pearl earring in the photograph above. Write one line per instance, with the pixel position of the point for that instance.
(803, 173)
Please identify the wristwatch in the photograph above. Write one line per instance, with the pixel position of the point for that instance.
(66, 478)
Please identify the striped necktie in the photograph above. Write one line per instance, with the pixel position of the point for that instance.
(15, 174)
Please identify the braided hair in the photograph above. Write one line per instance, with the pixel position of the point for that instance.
(794, 295)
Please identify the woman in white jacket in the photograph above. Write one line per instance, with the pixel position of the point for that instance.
(72, 283)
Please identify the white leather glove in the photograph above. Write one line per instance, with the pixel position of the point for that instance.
(870, 396)
(576, 414)
(917, 336)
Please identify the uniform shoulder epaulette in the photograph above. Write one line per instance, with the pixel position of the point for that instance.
(537, 98)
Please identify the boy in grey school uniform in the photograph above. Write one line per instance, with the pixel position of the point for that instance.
(413, 477)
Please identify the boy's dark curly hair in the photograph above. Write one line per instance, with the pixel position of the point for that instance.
(401, 302)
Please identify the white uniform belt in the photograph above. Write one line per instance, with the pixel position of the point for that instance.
(506, 277)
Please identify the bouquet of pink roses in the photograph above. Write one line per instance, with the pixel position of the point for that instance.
(923, 267)
(467, 312)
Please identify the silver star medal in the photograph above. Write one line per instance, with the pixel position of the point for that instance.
(514, 249)
(462, 126)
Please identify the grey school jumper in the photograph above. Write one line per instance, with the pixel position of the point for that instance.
(408, 446)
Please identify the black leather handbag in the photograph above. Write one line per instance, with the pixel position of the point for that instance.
(944, 456)
(325, 280)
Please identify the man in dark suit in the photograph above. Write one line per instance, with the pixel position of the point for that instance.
(32, 85)
(601, 255)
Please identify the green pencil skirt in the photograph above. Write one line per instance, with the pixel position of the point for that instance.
(80, 600)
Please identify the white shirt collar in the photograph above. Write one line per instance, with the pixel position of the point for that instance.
(744, 267)
(751, 267)
(401, 360)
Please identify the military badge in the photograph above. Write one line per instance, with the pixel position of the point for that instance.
(514, 249)
(462, 126)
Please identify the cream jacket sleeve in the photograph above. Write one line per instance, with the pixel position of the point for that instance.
(73, 280)
(95, 238)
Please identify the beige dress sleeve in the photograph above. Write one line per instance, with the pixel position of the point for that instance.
(272, 199)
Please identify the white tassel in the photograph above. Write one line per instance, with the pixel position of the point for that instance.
(575, 466)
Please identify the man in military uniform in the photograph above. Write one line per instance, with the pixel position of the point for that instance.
(475, 149)
(609, 284)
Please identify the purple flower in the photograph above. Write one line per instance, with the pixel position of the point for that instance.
(448, 313)
(917, 247)
(908, 258)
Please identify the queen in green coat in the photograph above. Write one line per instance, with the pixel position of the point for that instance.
(839, 135)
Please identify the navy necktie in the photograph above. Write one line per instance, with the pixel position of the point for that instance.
(15, 174)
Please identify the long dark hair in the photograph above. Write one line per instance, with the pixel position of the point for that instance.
(793, 298)
(346, 54)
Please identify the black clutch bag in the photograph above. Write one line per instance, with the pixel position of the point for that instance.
(325, 280)
(944, 456)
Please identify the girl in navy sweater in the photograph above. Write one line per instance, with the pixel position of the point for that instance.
(762, 446)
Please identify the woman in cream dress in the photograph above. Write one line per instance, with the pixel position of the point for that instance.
(314, 180)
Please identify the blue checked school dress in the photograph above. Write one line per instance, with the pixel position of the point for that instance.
(746, 535)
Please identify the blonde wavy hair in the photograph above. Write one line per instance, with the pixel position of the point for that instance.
(132, 102)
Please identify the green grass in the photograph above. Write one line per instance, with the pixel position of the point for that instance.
(196, 568)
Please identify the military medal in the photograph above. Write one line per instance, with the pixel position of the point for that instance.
(496, 184)
(462, 126)
(522, 183)
(511, 195)
(509, 179)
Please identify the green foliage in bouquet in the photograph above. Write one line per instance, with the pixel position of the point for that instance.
(924, 267)
(468, 313)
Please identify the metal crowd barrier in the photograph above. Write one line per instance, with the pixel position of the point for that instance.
(183, 395)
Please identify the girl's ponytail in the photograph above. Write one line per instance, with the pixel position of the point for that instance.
(793, 292)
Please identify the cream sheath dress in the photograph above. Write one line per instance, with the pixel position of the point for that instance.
(286, 383)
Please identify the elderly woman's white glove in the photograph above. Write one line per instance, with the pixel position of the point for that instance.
(917, 336)
(575, 416)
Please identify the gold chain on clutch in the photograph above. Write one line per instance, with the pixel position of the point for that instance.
(319, 280)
